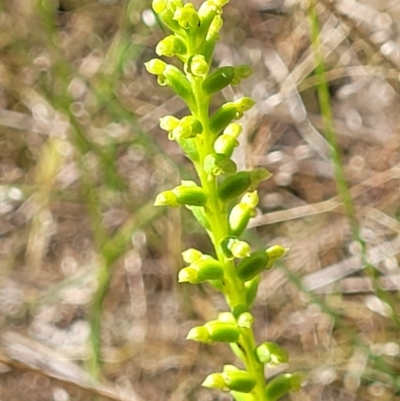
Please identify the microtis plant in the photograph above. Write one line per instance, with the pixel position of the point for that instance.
(223, 200)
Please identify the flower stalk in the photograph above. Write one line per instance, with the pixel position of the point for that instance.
(223, 200)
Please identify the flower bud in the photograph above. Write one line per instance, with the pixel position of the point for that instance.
(159, 6)
(251, 266)
(187, 16)
(218, 80)
(224, 332)
(190, 195)
(250, 199)
(226, 142)
(217, 164)
(177, 81)
(226, 317)
(245, 320)
(188, 127)
(234, 185)
(281, 385)
(238, 309)
(191, 255)
(199, 334)
(241, 72)
(214, 380)
(242, 212)
(166, 198)
(170, 46)
(276, 252)
(208, 268)
(213, 30)
(271, 353)
(244, 104)
(188, 275)
(198, 65)
(233, 247)
(168, 123)
(155, 66)
(238, 380)
(223, 117)
(239, 249)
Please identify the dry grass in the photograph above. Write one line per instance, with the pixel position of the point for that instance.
(82, 158)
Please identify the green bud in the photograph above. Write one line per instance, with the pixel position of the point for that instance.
(213, 30)
(159, 6)
(168, 123)
(187, 194)
(226, 142)
(250, 199)
(244, 104)
(239, 380)
(225, 145)
(242, 212)
(199, 334)
(241, 72)
(233, 247)
(238, 309)
(251, 288)
(218, 80)
(234, 185)
(166, 198)
(271, 353)
(233, 130)
(188, 127)
(191, 255)
(155, 66)
(245, 320)
(251, 266)
(217, 164)
(222, 331)
(177, 81)
(223, 117)
(238, 248)
(214, 380)
(188, 275)
(281, 385)
(208, 268)
(226, 317)
(170, 46)
(198, 65)
(276, 252)
(187, 16)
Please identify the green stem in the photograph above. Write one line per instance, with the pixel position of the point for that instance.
(217, 215)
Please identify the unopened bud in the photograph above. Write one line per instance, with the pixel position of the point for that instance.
(271, 353)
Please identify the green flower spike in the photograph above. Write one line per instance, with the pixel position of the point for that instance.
(223, 201)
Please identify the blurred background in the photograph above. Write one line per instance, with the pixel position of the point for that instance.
(88, 266)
